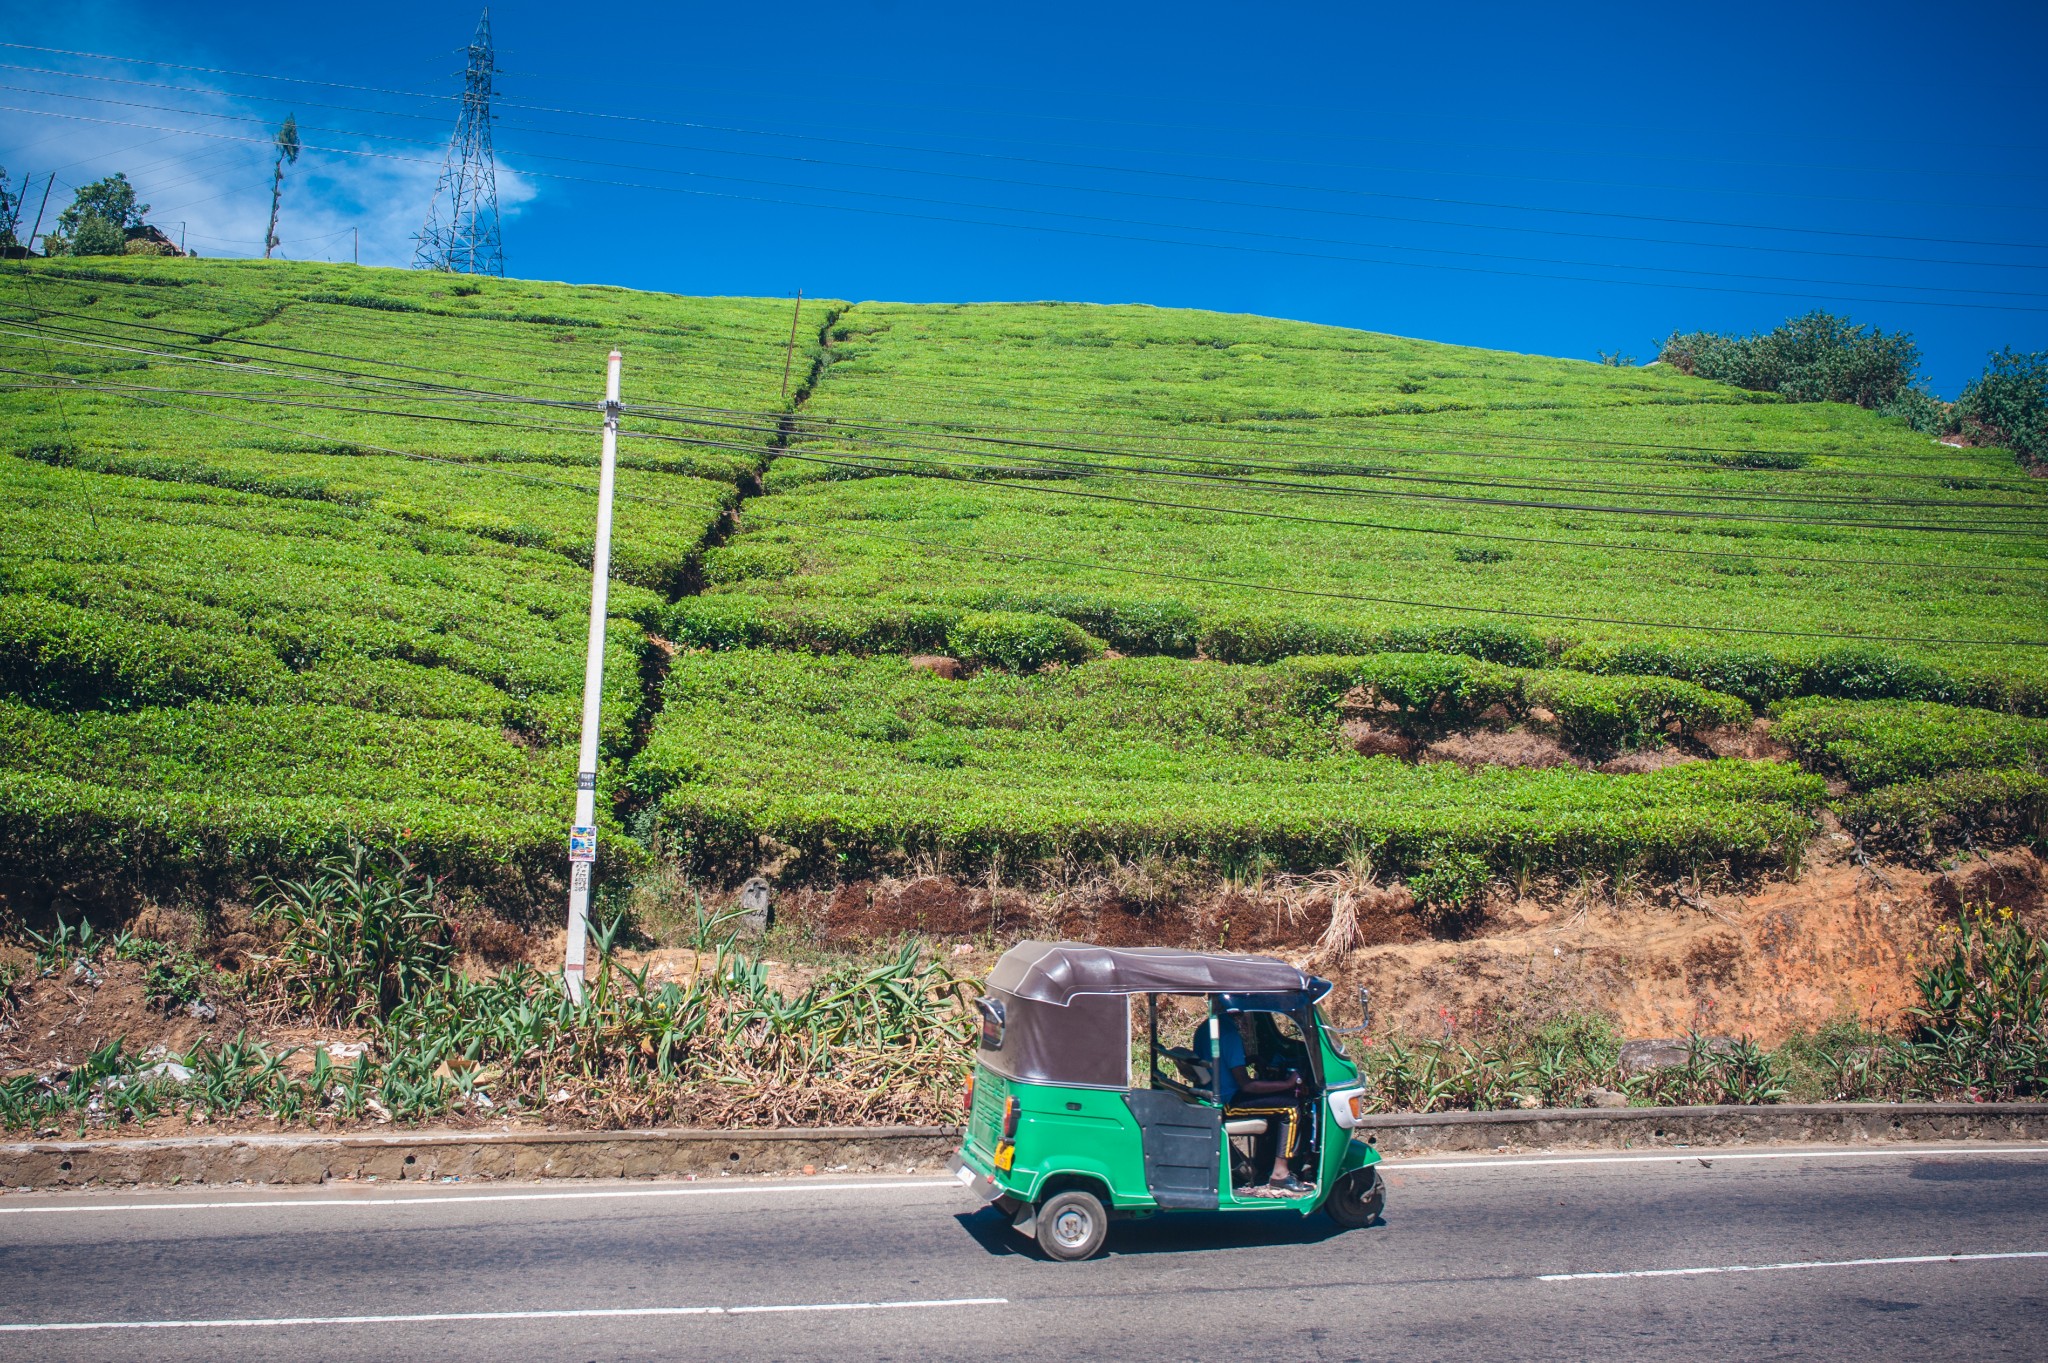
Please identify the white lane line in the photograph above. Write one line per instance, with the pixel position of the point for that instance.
(1708, 1152)
(1781, 1268)
(587, 1313)
(442, 1199)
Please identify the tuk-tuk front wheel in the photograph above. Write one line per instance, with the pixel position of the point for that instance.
(1072, 1225)
(1357, 1198)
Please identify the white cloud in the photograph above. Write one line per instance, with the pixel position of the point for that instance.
(210, 181)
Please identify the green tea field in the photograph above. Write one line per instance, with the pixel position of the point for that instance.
(298, 554)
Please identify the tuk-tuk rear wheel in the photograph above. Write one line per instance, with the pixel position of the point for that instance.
(1357, 1198)
(1072, 1225)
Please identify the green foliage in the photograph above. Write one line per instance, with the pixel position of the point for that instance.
(1604, 714)
(1874, 743)
(109, 200)
(1983, 1011)
(1449, 883)
(2009, 405)
(1427, 692)
(741, 562)
(1133, 757)
(1816, 358)
(1020, 641)
(1961, 807)
(361, 938)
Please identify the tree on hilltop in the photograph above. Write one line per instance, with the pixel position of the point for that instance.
(98, 220)
(287, 151)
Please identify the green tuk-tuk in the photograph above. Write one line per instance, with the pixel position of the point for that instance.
(1062, 1136)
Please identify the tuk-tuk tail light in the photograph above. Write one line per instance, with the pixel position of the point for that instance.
(967, 1098)
(1013, 1112)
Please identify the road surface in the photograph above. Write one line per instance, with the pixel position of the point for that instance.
(1901, 1253)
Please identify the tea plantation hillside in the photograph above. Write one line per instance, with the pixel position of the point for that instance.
(298, 553)
(240, 623)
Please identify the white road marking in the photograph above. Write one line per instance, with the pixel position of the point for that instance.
(1712, 1154)
(1781, 1268)
(429, 1318)
(424, 1199)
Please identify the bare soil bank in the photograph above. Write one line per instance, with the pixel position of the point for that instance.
(1766, 960)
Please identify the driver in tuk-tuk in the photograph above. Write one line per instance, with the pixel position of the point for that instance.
(1277, 1099)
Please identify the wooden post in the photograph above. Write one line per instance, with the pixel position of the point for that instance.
(789, 351)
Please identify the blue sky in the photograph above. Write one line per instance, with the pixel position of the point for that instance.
(1563, 180)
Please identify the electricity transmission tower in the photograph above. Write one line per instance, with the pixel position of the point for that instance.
(461, 232)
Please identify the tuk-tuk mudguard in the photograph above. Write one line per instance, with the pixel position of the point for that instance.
(1357, 1155)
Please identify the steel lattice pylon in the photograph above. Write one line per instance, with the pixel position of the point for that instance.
(461, 233)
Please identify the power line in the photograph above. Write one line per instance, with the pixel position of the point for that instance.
(1980, 527)
(1316, 210)
(1139, 170)
(1069, 231)
(1083, 217)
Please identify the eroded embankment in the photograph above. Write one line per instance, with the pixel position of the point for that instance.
(1841, 940)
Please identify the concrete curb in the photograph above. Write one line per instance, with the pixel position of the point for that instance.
(1651, 1127)
(427, 1156)
(476, 1155)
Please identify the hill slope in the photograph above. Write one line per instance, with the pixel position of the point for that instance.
(241, 623)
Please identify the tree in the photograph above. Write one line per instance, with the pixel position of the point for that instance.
(1816, 358)
(98, 220)
(287, 151)
(2009, 405)
(10, 208)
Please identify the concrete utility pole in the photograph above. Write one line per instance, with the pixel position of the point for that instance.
(583, 834)
(789, 351)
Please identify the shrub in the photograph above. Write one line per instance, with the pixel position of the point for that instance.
(1450, 882)
(1861, 673)
(1753, 674)
(2009, 405)
(1607, 714)
(1269, 639)
(1961, 806)
(1427, 690)
(1020, 641)
(1165, 628)
(743, 562)
(1816, 358)
(61, 657)
(1874, 743)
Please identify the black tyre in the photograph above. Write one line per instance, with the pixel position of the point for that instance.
(1072, 1225)
(1357, 1198)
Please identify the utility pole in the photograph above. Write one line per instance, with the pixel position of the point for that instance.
(29, 244)
(583, 833)
(355, 236)
(789, 351)
(468, 242)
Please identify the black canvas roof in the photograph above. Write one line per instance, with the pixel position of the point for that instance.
(1057, 972)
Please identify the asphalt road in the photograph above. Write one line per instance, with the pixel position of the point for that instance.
(1505, 1258)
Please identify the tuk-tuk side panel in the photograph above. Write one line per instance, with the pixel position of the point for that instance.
(1063, 1130)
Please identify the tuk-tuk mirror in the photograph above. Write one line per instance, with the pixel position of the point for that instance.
(994, 1021)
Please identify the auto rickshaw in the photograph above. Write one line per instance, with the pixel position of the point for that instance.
(1062, 1135)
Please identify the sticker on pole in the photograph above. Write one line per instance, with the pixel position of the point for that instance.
(579, 875)
(583, 843)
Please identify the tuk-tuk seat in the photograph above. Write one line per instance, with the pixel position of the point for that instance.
(1245, 1126)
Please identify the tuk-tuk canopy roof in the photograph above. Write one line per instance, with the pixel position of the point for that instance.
(1058, 972)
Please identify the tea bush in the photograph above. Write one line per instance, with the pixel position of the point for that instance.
(1020, 641)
